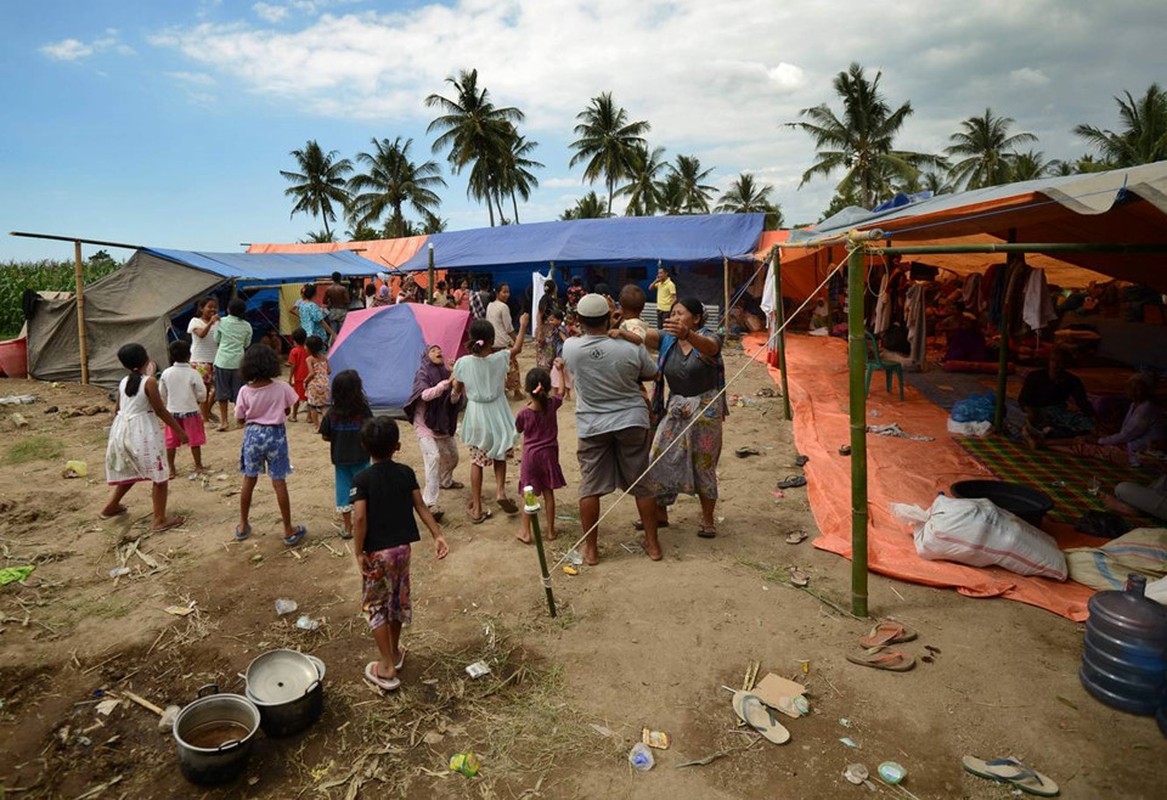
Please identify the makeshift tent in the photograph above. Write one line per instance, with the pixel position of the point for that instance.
(135, 304)
(384, 345)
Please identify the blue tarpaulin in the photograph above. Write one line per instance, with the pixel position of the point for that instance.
(617, 242)
(271, 267)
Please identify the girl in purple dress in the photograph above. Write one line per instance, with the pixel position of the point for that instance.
(540, 468)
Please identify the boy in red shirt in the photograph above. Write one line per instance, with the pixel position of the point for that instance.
(298, 375)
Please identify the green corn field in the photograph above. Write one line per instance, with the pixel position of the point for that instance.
(51, 276)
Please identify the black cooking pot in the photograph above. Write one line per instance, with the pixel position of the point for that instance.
(214, 735)
(288, 689)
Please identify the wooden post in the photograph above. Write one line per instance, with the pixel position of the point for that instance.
(780, 320)
(725, 308)
(858, 361)
(430, 275)
(1003, 354)
(82, 339)
(531, 509)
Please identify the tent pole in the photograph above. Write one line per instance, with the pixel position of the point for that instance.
(858, 361)
(725, 307)
(1003, 353)
(780, 319)
(430, 274)
(82, 338)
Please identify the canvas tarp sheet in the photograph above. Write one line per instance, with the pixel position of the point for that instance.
(388, 254)
(270, 268)
(133, 304)
(898, 471)
(619, 241)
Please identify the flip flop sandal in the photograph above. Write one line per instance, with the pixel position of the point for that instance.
(401, 661)
(792, 482)
(481, 519)
(845, 450)
(743, 452)
(801, 461)
(384, 684)
(173, 523)
(455, 485)
(240, 535)
(1011, 771)
(798, 578)
(886, 658)
(705, 533)
(887, 632)
(766, 393)
(342, 533)
(798, 537)
(298, 534)
(760, 717)
(508, 505)
(638, 525)
(121, 510)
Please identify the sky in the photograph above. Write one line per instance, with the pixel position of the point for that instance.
(167, 123)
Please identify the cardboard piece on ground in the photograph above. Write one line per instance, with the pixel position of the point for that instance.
(773, 688)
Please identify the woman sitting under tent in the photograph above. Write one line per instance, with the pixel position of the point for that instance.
(1043, 399)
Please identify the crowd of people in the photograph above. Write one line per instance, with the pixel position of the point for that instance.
(654, 443)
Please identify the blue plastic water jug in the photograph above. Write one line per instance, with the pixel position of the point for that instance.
(1125, 661)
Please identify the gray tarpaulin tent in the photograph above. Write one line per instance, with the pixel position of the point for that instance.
(135, 304)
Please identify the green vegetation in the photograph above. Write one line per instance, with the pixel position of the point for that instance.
(35, 448)
(42, 276)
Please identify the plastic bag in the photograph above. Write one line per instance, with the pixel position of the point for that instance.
(978, 533)
(978, 408)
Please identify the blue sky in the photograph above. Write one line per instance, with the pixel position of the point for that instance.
(166, 123)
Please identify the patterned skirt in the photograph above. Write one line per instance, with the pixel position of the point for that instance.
(689, 463)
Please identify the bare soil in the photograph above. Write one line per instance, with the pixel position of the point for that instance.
(635, 643)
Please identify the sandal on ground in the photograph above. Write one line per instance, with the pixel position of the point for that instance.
(792, 482)
(798, 537)
(169, 524)
(706, 533)
(766, 393)
(298, 533)
(887, 632)
(508, 505)
(753, 712)
(240, 535)
(743, 452)
(438, 514)
(1011, 771)
(342, 533)
(120, 510)
(481, 519)
(887, 658)
(455, 485)
(798, 578)
(801, 460)
(401, 661)
(638, 525)
(384, 684)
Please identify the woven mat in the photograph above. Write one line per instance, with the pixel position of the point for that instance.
(1064, 477)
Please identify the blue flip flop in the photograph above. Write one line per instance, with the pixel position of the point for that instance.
(240, 535)
(298, 534)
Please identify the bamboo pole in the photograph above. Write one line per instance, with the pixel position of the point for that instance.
(780, 319)
(858, 361)
(82, 337)
(1003, 352)
(430, 274)
(531, 509)
(725, 308)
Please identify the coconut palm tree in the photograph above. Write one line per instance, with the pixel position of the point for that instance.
(642, 190)
(1032, 165)
(590, 206)
(1143, 137)
(514, 174)
(696, 195)
(606, 142)
(861, 141)
(318, 237)
(392, 182)
(985, 148)
(671, 193)
(745, 196)
(319, 183)
(475, 132)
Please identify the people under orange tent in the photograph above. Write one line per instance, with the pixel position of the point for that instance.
(1143, 428)
(1043, 399)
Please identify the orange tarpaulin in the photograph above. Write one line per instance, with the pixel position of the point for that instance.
(389, 254)
(898, 471)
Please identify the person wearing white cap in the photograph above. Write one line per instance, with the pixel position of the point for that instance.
(612, 421)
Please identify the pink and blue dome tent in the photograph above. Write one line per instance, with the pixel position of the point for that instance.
(384, 345)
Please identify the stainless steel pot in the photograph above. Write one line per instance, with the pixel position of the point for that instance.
(287, 688)
(214, 735)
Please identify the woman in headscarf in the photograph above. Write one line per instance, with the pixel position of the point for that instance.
(687, 445)
(433, 410)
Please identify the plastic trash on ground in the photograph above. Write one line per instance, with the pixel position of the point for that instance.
(640, 757)
(285, 606)
(467, 764)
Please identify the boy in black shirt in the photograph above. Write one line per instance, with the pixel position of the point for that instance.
(384, 497)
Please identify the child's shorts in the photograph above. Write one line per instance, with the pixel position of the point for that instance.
(481, 458)
(265, 449)
(344, 483)
(192, 423)
(301, 390)
(385, 593)
(228, 382)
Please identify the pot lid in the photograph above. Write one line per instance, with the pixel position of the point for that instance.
(280, 676)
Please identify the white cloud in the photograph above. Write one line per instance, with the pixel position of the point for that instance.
(270, 13)
(1029, 77)
(75, 50)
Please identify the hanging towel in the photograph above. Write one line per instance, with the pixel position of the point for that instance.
(1037, 306)
(883, 308)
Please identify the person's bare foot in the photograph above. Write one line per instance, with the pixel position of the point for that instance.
(551, 534)
(109, 512)
(222, 429)
(525, 539)
(652, 547)
(173, 474)
(591, 553)
(166, 524)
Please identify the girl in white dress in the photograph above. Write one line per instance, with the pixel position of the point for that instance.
(136, 450)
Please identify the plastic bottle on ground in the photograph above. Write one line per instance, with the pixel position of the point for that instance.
(640, 757)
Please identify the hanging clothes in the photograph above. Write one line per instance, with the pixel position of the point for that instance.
(883, 308)
(972, 293)
(917, 332)
(1037, 306)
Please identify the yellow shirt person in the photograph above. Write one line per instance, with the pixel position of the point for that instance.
(666, 295)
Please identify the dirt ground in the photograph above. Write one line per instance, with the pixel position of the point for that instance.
(635, 643)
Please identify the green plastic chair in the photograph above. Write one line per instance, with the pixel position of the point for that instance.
(875, 363)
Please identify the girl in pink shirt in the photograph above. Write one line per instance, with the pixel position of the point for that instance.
(262, 408)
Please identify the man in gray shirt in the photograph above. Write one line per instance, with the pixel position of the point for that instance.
(612, 421)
